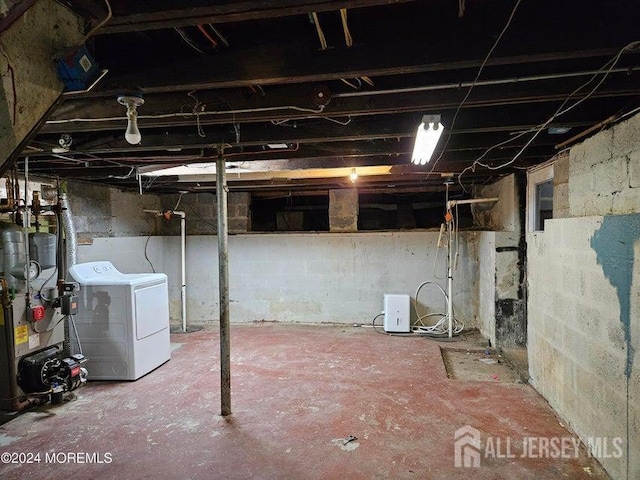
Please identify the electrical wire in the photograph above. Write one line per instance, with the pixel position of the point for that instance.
(55, 270)
(441, 326)
(101, 24)
(348, 40)
(198, 108)
(145, 252)
(605, 70)
(321, 37)
(208, 36)
(320, 109)
(178, 202)
(220, 36)
(375, 328)
(188, 40)
(347, 122)
(123, 177)
(347, 82)
(368, 80)
(475, 80)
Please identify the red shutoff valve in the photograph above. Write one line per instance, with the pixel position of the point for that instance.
(37, 313)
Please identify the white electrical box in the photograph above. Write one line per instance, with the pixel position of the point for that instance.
(397, 313)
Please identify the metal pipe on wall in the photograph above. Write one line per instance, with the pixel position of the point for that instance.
(223, 267)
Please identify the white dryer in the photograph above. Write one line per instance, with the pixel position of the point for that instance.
(122, 321)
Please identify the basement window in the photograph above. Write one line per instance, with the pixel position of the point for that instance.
(406, 211)
(290, 213)
(539, 197)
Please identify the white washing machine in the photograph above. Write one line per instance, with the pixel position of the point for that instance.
(122, 321)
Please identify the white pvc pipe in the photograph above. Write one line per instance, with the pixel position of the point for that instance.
(453, 203)
(183, 267)
(183, 262)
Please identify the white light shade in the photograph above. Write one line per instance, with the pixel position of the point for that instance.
(353, 176)
(427, 137)
(132, 135)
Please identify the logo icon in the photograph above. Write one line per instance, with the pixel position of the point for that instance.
(467, 447)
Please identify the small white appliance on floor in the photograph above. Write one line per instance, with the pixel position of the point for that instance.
(397, 313)
(122, 320)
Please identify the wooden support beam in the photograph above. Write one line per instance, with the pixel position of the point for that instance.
(146, 17)
(293, 63)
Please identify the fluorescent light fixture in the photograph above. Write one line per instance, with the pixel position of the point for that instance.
(427, 137)
(276, 146)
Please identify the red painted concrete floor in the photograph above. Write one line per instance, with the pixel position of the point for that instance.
(298, 392)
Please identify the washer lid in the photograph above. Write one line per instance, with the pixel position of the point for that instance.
(104, 273)
(86, 272)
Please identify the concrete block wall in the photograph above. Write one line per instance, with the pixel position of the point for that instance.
(576, 340)
(584, 295)
(202, 217)
(106, 212)
(343, 210)
(604, 172)
(561, 185)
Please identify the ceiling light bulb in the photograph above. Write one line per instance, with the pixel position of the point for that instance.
(132, 135)
(427, 136)
(353, 176)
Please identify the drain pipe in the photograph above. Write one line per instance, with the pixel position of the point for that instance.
(183, 263)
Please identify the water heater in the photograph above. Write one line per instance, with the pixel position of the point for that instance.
(397, 313)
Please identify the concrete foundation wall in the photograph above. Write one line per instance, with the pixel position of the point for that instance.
(578, 345)
(502, 216)
(300, 277)
(584, 296)
(487, 285)
(502, 315)
(318, 277)
(106, 212)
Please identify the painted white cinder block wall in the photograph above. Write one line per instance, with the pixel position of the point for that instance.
(583, 356)
(306, 277)
(319, 277)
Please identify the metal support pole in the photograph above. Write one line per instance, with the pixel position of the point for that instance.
(183, 269)
(223, 268)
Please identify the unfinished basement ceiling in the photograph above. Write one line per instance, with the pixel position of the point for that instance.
(259, 81)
